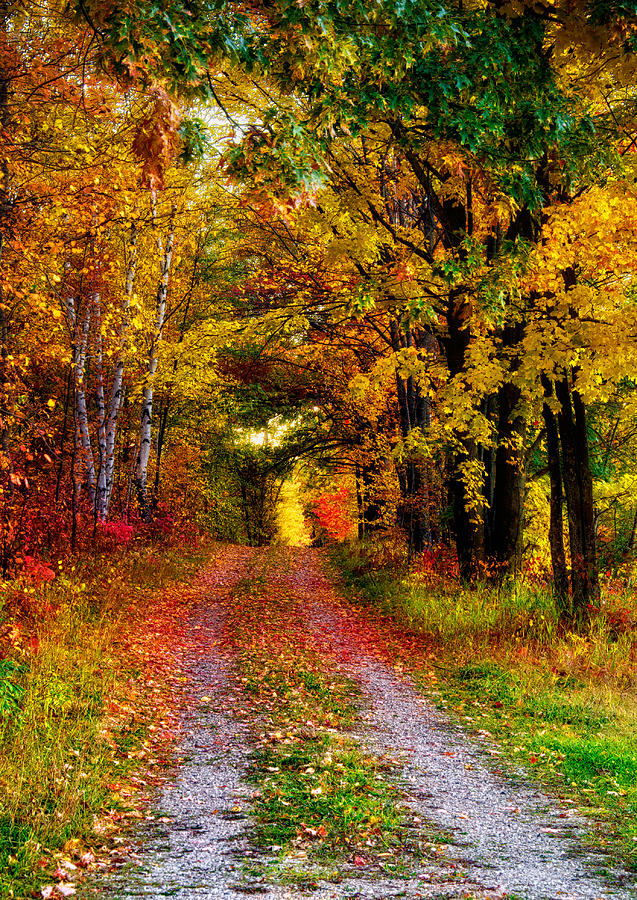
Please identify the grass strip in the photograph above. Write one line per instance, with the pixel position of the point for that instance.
(320, 797)
(560, 703)
(85, 714)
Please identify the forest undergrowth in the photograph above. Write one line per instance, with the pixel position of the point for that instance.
(87, 711)
(560, 703)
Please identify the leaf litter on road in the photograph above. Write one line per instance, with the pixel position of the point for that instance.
(308, 763)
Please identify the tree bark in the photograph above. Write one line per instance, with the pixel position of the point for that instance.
(78, 320)
(67, 401)
(145, 428)
(413, 414)
(556, 527)
(116, 393)
(100, 403)
(507, 515)
(161, 438)
(82, 433)
(578, 489)
(360, 517)
(468, 523)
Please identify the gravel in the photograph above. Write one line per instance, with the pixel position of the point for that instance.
(196, 854)
(508, 838)
(508, 835)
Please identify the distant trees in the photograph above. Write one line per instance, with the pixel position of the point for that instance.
(423, 227)
(461, 168)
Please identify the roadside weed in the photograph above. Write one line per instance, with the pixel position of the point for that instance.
(74, 709)
(561, 703)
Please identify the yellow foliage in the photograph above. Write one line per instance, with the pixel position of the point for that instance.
(536, 526)
(292, 529)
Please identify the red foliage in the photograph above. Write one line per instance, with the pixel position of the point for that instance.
(37, 571)
(332, 514)
(437, 563)
(117, 532)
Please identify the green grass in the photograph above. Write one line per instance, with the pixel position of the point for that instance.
(579, 740)
(11, 690)
(563, 704)
(325, 789)
(60, 746)
(321, 797)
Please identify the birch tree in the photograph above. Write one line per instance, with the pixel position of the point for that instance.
(78, 317)
(165, 249)
(109, 416)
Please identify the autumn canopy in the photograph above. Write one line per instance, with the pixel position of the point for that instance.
(366, 264)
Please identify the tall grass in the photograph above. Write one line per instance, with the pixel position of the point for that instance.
(515, 616)
(64, 672)
(561, 702)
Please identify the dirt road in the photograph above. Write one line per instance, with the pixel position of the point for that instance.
(505, 837)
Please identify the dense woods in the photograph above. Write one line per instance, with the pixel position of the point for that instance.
(318, 401)
(386, 247)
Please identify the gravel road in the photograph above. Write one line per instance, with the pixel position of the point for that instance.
(508, 838)
(196, 852)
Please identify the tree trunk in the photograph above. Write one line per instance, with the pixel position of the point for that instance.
(141, 468)
(468, 522)
(78, 321)
(161, 437)
(507, 514)
(360, 517)
(116, 393)
(371, 509)
(556, 527)
(75, 484)
(578, 488)
(413, 414)
(67, 401)
(100, 403)
(82, 433)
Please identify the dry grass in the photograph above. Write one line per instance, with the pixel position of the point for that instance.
(77, 713)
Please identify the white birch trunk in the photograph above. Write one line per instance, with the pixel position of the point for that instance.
(100, 404)
(145, 425)
(82, 433)
(116, 393)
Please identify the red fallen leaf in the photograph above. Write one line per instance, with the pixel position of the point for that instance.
(532, 758)
(498, 704)
(321, 831)
(359, 861)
